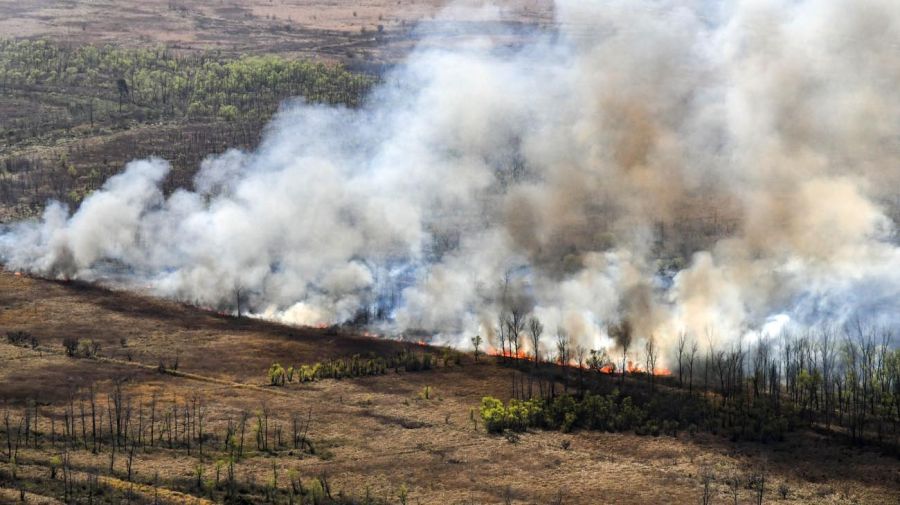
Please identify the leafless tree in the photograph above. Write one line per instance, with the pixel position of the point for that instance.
(652, 354)
(580, 357)
(563, 354)
(691, 358)
(706, 479)
(535, 329)
(623, 336)
(682, 342)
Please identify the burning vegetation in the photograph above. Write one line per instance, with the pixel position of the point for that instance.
(653, 217)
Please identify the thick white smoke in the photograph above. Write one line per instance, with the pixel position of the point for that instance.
(697, 166)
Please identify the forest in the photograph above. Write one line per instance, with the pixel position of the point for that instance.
(842, 381)
(74, 114)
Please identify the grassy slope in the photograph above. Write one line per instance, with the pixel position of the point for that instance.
(376, 432)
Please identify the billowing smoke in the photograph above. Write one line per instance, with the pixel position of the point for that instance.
(705, 167)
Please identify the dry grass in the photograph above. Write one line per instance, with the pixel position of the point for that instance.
(376, 432)
(318, 28)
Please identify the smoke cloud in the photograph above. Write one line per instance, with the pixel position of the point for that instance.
(685, 166)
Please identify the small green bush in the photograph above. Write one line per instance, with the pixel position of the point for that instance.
(276, 375)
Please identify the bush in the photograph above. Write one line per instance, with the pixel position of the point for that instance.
(88, 348)
(276, 375)
(517, 416)
(357, 366)
(783, 490)
(228, 112)
(566, 413)
(21, 338)
(493, 414)
(71, 346)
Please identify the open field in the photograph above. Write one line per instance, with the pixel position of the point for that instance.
(322, 29)
(376, 433)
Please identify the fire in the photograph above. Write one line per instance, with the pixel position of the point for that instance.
(635, 368)
(508, 354)
(631, 367)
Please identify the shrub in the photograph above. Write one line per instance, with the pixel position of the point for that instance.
(315, 491)
(21, 338)
(493, 414)
(71, 346)
(276, 375)
(228, 112)
(517, 416)
(88, 348)
(357, 366)
(783, 490)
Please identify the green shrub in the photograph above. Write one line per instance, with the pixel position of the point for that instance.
(276, 375)
(493, 414)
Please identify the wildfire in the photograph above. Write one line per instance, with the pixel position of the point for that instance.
(508, 354)
(631, 366)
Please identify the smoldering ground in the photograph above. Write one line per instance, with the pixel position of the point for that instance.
(687, 166)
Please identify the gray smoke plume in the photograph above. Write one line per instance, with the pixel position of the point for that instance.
(716, 168)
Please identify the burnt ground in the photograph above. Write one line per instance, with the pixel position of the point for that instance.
(376, 433)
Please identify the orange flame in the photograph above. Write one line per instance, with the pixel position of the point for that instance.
(631, 366)
(508, 353)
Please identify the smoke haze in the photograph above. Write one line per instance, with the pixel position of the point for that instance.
(688, 166)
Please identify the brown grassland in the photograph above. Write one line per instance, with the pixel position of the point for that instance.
(373, 434)
(380, 436)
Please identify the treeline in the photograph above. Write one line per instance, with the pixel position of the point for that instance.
(845, 381)
(100, 83)
(843, 378)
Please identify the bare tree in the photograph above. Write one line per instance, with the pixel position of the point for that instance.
(706, 479)
(580, 355)
(682, 342)
(562, 354)
(515, 327)
(535, 329)
(691, 358)
(652, 354)
(622, 334)
(501, 332)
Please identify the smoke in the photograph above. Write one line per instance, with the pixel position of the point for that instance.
(675, 166)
